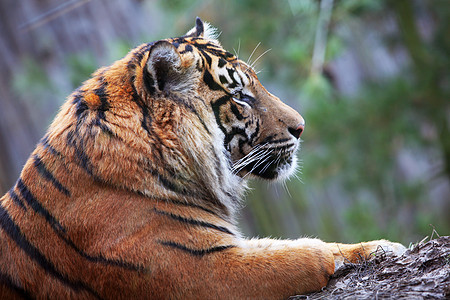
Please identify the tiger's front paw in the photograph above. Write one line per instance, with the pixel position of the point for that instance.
(390, 248)
(354, 253)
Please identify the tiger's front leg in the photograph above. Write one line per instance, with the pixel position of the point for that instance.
(256, 269)
(272, 269)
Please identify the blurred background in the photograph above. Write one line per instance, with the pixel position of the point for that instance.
(370, 77)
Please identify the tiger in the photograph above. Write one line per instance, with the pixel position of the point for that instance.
(134, 189)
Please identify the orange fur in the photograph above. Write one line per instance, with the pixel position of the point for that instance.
(132, 192)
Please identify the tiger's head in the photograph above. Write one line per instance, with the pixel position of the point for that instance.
(259, 132)
(179, 117)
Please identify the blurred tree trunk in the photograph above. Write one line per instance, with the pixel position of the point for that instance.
(17, 134)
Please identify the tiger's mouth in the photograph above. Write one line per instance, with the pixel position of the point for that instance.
(268, 162)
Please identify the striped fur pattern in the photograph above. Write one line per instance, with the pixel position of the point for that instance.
(132, 193)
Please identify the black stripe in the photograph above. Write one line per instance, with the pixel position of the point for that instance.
(104, 106)
(80, 105)
(233, 84)
(7, 281)
(199, 65)
(16, 199)
(172, 186)
(231, 73)
(235, 131)
(270, 139)
(216, 108)
(73, 140)
(103, 260)
(255, 133)
(209, 80)
(147, 121)
(101, 93)
(187, 48)
(280, 148)
(49, 176)
(179, 40)
(84, 162)
(222, 62)
(236, 112)
(192, 221)
(215, 51)
(228, 55)
(131, 66)
(36, 206)
(201, 121)
(168, 184)
(45, 143)
(196, 252)
(223, 79)
(207, 57)
(192, 109)
(97, 122)
(61, 231)
(187, 204)
(233, 197)
(146, 118)
(136, 58)
(13, 231)
(139, 55)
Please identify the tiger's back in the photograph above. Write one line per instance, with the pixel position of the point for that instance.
(133, 190)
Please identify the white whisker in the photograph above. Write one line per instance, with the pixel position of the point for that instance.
(250, 57)
(267, 166)
(259, 163)
(256, 60)
(257, 158)
(286, 188)
(239, 47)
(249, 155)
(254, 155)
(260, 158)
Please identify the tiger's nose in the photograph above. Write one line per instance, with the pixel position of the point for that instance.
(297, 131)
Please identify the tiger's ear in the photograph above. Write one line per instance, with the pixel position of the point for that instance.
(198, 30)
(165, 71)
(204, 30)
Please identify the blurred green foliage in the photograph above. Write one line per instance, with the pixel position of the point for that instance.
(80, 66)
(32, 83)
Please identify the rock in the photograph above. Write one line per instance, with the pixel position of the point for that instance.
(421, 273)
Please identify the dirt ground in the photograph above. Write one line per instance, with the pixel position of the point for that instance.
(421, 273)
